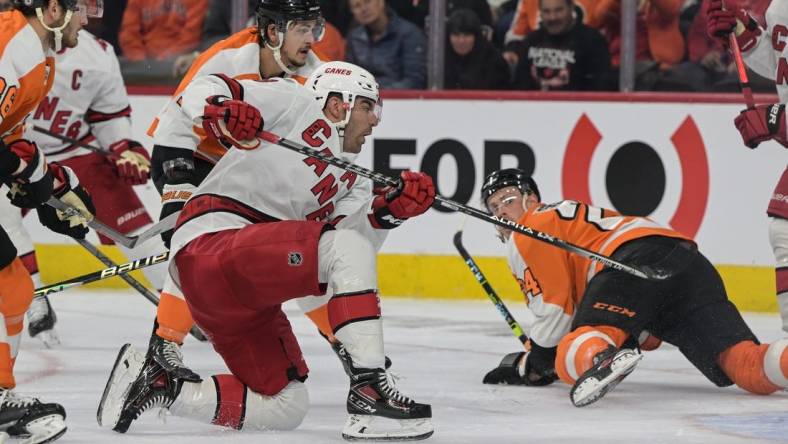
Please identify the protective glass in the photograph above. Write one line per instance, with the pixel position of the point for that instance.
(90, 8)
(301, 29)
(379, 109)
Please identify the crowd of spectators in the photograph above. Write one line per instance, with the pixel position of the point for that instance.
(547, 45)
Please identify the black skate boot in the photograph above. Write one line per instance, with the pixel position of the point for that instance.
(611, 366)
(168, 355)
(373, 395)
(28, 418)
(125, 399)
(41, 321)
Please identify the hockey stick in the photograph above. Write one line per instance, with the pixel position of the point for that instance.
(70, 140)
(135, 284)
(477, 273)
(744, 81)
(106, 273)
(127, 241)
(645, 273)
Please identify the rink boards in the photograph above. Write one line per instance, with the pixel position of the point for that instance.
(682, 164)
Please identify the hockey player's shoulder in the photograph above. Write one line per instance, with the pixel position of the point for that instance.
(91, 52)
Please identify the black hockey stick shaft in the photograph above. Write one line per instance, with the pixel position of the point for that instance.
(127, 241)
(482, 280)
(106, 273)
(470, 211)
(71, 140)
(135, 284)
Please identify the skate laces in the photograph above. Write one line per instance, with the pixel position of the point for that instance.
(172, 353)
(9, 398)
(386, 384)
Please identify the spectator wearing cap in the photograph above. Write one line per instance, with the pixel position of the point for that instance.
(563, 54)
(394, 50)
(471, 60)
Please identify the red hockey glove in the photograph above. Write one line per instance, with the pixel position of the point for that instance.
(721, 22)
(412, 197)
(763, 123)
(232, 122)
(131, 160)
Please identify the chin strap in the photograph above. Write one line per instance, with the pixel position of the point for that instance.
(278, 53)
(57, 30)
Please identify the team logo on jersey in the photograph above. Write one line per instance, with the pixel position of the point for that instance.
(294, 259)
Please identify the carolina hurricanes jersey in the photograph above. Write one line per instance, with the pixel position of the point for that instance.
(554, 280)
(769, 55)
(237, 57)
(26, 73)
(270, 179)
(88, 101)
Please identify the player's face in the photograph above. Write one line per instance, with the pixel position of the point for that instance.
(70, 37)
(507, 203)
(363, 117)
(299, 39)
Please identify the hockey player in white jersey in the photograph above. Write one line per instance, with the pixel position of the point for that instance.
(88, 103)
(765, 51)
(266, 226)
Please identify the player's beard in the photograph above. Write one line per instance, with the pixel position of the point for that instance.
(70, 41)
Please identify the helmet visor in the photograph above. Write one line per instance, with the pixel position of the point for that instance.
(300, 29)
(90, 8)
(379, 109)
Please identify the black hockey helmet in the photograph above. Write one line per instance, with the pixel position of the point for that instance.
(281, 12)
(508, 177)
(93, 8)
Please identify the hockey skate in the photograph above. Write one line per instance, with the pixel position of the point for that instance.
(168, 355)
(41, 320)
(130, 393)
(372, 396)
(30, 419)
(611, 366)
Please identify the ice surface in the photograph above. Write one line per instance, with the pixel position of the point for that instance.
(441, 349)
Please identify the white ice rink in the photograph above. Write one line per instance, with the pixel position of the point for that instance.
(441, 349)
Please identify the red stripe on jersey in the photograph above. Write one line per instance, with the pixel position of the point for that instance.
(30, 262)
(782, 279)
(210, 203)
(347, 308)
(92, 116)
(236, 90)
(87, 138)
(230, 401)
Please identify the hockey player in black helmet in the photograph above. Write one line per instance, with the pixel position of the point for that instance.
(297, 18)
(73, 10)
(507, 177)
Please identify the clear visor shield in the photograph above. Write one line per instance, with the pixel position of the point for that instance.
(90, 8)
(303, 30)
(500, 200)
(378, 110)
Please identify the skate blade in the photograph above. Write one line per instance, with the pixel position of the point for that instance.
(45, 429)
(592, 390)
(49, 338)
(128, 366)
(360, 428)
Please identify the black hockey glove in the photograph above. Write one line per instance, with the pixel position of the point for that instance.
(539, 368)
(49, 218)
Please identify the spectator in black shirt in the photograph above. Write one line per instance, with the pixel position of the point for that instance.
(471, 60)
(563, 54)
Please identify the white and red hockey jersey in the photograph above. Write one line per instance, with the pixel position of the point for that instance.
(271, 180)
(88, 101)
(769, 56)
(237, 57)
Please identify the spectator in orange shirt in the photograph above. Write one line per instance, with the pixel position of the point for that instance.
(161, 29)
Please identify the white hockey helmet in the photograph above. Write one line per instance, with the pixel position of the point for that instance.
(348, 80)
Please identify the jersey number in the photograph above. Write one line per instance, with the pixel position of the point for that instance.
(7, 96)
(595, 216)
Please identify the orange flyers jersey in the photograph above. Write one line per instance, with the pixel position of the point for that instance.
(237, 57)
(553, 280)
(26, 73)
